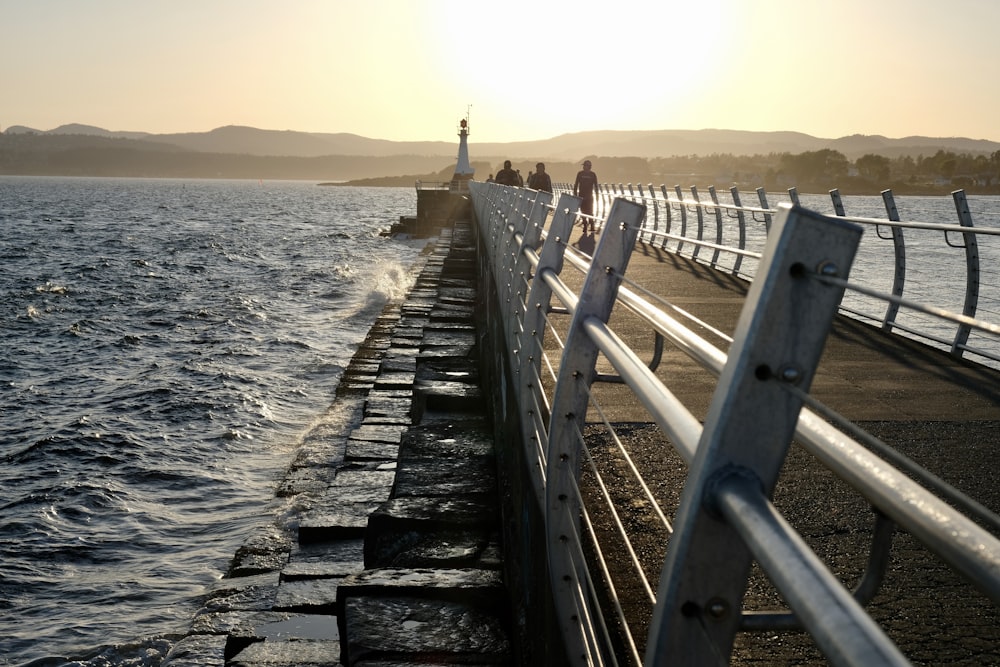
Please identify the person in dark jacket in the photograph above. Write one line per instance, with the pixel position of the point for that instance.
(540, 180)
(585, 187)
(507, 176)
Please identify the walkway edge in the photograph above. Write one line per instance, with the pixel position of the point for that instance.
(397, 554)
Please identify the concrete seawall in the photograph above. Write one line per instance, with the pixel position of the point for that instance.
(396, 556)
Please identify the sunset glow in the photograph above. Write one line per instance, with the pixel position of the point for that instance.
(406, 71)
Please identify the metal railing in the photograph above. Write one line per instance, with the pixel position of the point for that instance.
(800, 275)
(937, 278)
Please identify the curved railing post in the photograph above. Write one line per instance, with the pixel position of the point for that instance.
(529, 238)
(838, 203)
(499, 229)
(718, 224)
(700, 215)
(656, 212)
(762, 198)
(682, 208)
(509, 241)
(645, 225)
(741, 217)
(899, 255)
(972, 272)
(668, 226)
(577, 369)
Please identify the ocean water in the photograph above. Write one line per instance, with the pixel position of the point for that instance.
(164, 344)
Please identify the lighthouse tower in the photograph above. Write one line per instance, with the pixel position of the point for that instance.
(463, 170)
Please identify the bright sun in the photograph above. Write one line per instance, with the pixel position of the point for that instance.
(562, 68)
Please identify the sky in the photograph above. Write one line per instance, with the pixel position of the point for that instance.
(409, 70)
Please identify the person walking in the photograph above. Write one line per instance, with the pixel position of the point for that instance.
(540, 180)
(507, 176)
(585, 187)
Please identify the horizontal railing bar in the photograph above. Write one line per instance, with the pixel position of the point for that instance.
(814, 433)
(940, 313)
(667, 411)
(928, 226)
(981, 352)
(704, 244)
(902, 462)
(953, 536)
(913, 224)
(837, 622)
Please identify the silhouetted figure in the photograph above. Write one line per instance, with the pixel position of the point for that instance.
(585, 187)
(540, 180)
(507, 176)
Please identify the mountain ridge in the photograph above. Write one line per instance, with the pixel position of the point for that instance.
(244, 140)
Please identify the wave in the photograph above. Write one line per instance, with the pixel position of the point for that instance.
(160, 366)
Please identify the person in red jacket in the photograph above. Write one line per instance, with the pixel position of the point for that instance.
(585, 187)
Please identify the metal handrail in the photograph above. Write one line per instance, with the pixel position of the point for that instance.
(894, 317)
(512, 223)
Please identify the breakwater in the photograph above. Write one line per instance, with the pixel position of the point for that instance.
(532, 587)
(396, 552)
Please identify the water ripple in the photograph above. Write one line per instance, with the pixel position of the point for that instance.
(162, 346)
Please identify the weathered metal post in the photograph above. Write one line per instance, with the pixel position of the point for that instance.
(971, 272)
(778, 340)
(568, 568)
(899, 255)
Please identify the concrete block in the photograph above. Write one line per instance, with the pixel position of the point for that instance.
(313, 596)
(292, 653)
(253, 593)
(381, 432)
(421, 631)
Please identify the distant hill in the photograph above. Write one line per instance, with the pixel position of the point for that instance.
(749, 159)
(239, 140)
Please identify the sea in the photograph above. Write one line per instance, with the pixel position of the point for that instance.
(164, 346)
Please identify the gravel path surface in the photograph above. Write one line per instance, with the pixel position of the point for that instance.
(942, 412)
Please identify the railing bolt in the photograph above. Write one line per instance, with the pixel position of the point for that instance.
(791, 375)
(828, 269)
(717, 608)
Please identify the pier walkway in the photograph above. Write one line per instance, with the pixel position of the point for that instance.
(938, 410)
(865, 374)
(784, 453)
(402, 552)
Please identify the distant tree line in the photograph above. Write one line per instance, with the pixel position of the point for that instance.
(821, 170)
(811, 171)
